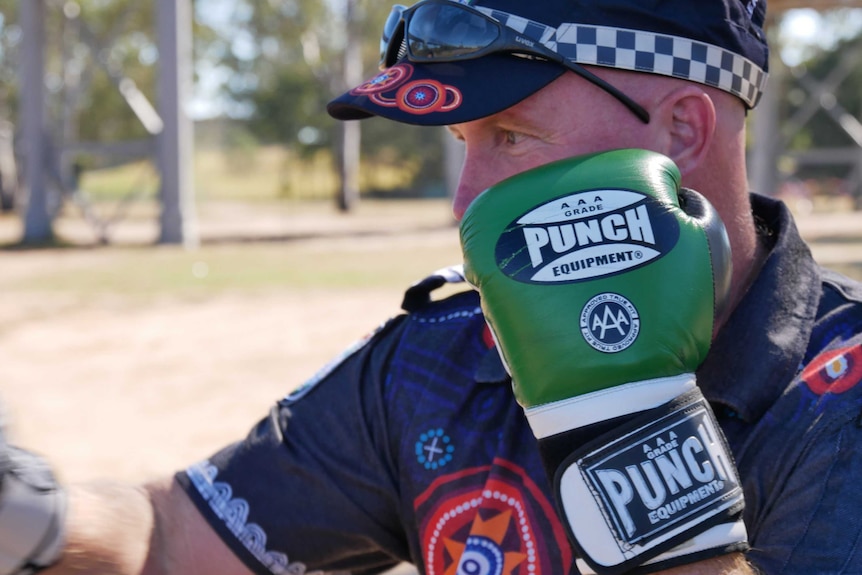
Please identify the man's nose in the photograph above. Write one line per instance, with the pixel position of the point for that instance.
(476, 176)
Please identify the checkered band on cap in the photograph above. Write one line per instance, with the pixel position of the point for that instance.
(643, 51)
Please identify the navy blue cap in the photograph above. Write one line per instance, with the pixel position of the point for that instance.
(719, 43)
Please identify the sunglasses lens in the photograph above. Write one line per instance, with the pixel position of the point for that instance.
(389, 29)
(443, 32)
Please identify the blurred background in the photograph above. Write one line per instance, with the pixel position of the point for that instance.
(185, 235)
(177, 106)
(138, 120)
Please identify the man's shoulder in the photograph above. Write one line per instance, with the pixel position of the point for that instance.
(421, 294)
(457, 307)
(833, 361)
(842, 290)
(830, 374)
(445, 336)
(826, 394)
(452, 325)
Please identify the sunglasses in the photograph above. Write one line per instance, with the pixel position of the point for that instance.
(445, 31)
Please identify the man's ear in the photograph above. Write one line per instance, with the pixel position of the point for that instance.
(686, 117)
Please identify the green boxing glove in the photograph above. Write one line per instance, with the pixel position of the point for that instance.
(600, 280)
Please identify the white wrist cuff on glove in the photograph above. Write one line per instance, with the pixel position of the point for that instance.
(567, 414)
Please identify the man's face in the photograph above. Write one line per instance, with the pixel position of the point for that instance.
(569, 117)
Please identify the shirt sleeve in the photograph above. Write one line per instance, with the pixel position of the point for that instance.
(312, 487)
(810, 521)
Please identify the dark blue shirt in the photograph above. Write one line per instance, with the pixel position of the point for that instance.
(411, 446)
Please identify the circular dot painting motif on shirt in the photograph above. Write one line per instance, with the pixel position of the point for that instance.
(834, 371)
(490, 520)
(434, 449)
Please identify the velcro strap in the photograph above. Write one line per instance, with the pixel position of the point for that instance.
(32, 515)
(658, 480)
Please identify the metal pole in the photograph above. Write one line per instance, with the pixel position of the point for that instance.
(37, 221)
(351, 135)
(765, 151)
(175, 142)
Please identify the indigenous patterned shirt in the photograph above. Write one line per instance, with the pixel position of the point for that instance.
(411, 447)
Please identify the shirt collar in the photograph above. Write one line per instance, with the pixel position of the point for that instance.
(760, 348)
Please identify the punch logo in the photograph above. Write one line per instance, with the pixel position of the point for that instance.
(609, 322)
(586, 235)
(673, 471)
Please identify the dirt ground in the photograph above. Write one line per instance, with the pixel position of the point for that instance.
(113, 390)
(133, 387)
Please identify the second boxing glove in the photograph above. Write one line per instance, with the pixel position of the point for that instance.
(32, 511)
(600, 281)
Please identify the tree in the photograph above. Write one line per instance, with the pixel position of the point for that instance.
(278, 61)
(824, 98)
(288, 63)
(10, 38)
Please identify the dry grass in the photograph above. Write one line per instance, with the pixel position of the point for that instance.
(255, 173)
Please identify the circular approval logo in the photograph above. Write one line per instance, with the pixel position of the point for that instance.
(609, 322)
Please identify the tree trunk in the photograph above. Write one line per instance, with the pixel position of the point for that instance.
(348, 155)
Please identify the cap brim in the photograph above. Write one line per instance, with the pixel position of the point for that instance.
(437, 94)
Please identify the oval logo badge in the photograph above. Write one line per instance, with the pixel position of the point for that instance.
(586, 235)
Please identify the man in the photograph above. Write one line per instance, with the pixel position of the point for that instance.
(412, 448)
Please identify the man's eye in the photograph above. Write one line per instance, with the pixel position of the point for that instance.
(513, 138)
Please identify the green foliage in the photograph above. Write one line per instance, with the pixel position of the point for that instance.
(10, 38)
(107, 42)
(387, 142)
(298, 67)
(282, 61)
(89, 46)
(288, 102)
(822, 130)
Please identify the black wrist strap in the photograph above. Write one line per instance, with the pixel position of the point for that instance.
(635, 487)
